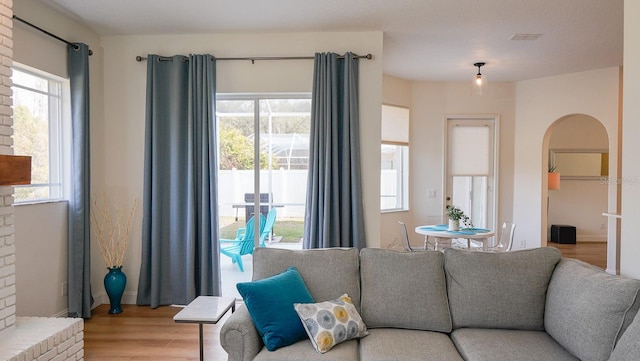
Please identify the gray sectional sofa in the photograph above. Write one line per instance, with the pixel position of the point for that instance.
(456, 305)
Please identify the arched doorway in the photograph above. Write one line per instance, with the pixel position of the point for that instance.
(578, 146)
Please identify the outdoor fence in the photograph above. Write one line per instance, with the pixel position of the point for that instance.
(288, 188)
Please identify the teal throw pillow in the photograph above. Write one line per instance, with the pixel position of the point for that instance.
(270, 304)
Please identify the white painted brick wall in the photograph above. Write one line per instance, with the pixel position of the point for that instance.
(7, 246)
(43, 339)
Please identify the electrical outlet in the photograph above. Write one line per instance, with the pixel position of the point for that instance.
(523, 243)
(431, 193)
(64, 289)
(602, 225)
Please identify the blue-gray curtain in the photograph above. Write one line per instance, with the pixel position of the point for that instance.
(180, 259)
(334, 215)
(79, 265)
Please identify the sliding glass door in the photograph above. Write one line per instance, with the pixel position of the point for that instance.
(264, 144)
(263, 165)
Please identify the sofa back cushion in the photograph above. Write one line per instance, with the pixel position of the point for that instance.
(404, 290)
(328, 273)
(499, 290)
(589, 309)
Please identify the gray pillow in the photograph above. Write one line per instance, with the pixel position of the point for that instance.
(404, 290)
(588, 309)
(328, 273)
(499, 290)
(628, 348)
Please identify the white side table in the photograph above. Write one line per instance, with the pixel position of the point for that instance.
(205, 309)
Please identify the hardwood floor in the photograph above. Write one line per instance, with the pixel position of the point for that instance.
(142, 333)
(594, 253)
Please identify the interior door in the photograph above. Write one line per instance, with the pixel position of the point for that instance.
(471, 167)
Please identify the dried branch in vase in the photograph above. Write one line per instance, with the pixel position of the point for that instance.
(111, 225)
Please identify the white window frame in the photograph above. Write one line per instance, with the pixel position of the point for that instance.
(398, 138)
(256, 99)
(401, 193)
(59, 136)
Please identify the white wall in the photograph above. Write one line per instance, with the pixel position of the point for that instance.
(569, 205)
(41, 230)
(580, 203)
(41, 267)
(431, 101)
(539, 103)
(124, 89)
(629, 245)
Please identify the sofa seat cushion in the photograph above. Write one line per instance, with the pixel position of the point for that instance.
(404, 290)
(588, 309)
(499, 290)
(628, 348)
(384, 344)
(328, 273)
(304, 351)
(480, 344)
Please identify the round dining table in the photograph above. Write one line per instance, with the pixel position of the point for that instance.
(441, 231)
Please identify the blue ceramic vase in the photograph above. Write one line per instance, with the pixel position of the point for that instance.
(114, 282)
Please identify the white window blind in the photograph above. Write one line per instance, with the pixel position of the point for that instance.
(395, 125)
(470, 156)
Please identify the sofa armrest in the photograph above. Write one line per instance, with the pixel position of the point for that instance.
(239, 337)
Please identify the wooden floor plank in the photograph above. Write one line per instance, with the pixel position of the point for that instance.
(594, 253)
(143, 333)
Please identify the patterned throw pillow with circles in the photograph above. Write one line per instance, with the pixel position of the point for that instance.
(330, 323)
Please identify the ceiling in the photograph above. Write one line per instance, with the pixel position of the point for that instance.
(436, 40)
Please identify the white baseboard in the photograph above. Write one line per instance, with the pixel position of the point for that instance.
(63, 313)
(101, 298)
(129, 298)
(582, 238)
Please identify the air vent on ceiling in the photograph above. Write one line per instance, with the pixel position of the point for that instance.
(526, 37)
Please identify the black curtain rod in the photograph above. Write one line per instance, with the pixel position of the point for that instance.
(253, 59)
(50, 34)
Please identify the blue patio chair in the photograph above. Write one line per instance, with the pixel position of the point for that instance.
(243, 244)
(268, 226)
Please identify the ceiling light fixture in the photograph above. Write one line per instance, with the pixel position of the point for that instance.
(480, 82)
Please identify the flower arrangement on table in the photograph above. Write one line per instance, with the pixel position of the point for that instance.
(457, 215)
(111, 225)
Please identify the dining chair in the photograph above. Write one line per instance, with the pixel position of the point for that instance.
(407, 244)
(505, 242)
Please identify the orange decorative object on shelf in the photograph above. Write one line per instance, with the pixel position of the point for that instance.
(553, 182)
